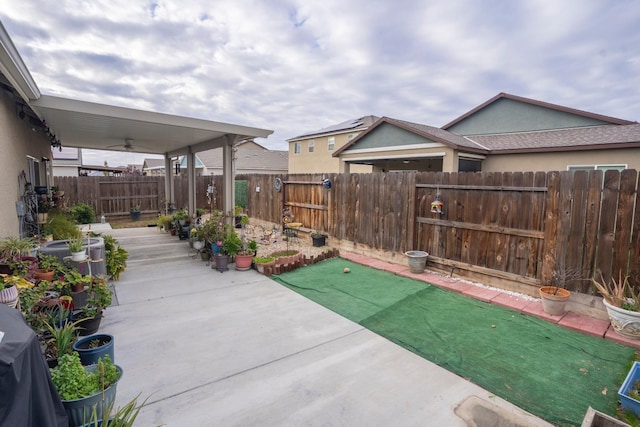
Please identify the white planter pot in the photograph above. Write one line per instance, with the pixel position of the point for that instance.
(624, 322)
(78, 256)
(198, 244)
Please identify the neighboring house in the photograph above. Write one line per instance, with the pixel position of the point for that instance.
(66, 161)
(251, 158)
(312, 152)
(505, 134)
(153, 167)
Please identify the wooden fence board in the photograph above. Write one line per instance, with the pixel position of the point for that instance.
(624, 222)
(606, 231)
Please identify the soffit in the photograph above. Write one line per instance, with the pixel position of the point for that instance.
(104, 127)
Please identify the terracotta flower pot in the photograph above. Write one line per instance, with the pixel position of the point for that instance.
(41, 274)
(243, 262)
(554, 299)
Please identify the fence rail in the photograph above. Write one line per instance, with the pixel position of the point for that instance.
(534, 227)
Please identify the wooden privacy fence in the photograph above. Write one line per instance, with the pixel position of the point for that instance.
(562, 227)
(527, 227)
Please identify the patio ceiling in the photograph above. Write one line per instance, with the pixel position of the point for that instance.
(104, 127)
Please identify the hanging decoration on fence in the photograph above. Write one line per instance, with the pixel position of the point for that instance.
(326, 183)
(277, 184)
(436, 205)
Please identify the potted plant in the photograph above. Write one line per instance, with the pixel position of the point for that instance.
(554, 297)
(82, 389)
(48, 265)
(94, 347)
(246, 254)
(44, 206)
(181, 216)
(318, 238)
(8, 291)
(78, 253)
(98, 299)
(629, 391)
(11, 247)
(263, 261)
(62, 336)
(135, 212)
(622, 304)
(115, 257)
(124, 416)
(197, 238)
(417, 261)
(164, 222)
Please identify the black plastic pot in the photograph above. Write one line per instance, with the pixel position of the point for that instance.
(319, 241)
(89, 325)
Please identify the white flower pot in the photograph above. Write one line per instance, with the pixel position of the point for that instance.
(624, 322)
(78, 256)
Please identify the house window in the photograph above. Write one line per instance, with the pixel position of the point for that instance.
(596, 167)
(331, 143)
(296, 148)
(311, 144)
(33, 171)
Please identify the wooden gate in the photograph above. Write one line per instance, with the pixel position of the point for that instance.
(308, 202)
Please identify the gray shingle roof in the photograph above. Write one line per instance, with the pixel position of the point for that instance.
(249, 159)
(589, 137)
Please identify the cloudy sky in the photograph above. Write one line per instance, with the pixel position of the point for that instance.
(295, 66)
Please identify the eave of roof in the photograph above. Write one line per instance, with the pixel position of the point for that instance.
(501, 95)
(14, 68)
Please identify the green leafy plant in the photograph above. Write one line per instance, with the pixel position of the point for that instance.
(134, 209)
(618, 293)
(63, 227)
(180, 215)
(164, 221)
(264, 259)
(11, 247)
(75, 245)
(82, 213)
(232, 244)
(62, 336)
(48, 262)
(124, 416)
(115, 257)
(73, 381)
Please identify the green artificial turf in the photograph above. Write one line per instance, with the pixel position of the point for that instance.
(550, 371)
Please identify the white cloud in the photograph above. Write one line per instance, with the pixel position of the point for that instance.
(294, 65)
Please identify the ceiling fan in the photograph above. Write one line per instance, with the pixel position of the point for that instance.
(127, 146)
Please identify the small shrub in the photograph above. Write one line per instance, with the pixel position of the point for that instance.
(63, 228)
(116, 257)
(82, 213)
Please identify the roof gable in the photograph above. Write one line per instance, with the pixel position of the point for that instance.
(381, 134)
(506, 113)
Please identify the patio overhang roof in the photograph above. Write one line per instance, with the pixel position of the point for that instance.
(105, 127)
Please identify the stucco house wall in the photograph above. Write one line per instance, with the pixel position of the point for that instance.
(321, 160)
(560, 161)
(18, 139)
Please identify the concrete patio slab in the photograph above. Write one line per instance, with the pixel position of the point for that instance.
(236, 348)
